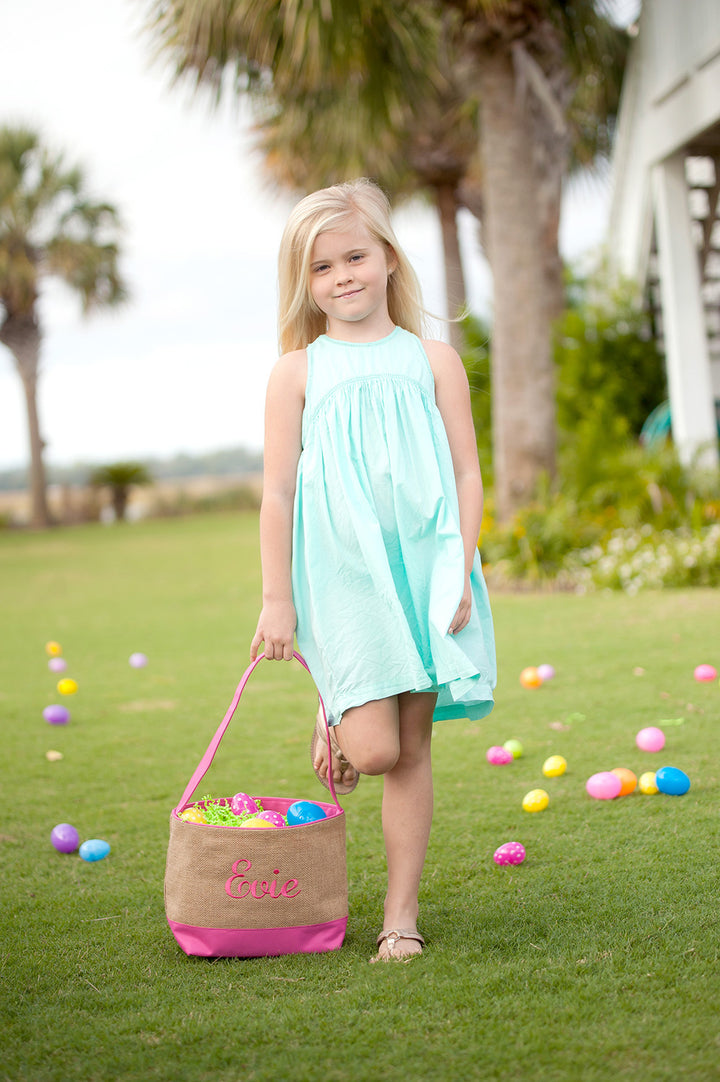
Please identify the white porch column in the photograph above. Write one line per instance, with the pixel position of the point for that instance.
(686, 346)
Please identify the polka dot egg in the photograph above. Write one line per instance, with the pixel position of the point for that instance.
(509, 853)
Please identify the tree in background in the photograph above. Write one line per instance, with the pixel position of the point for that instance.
(49, 227)
(525, 61)
(120, 477)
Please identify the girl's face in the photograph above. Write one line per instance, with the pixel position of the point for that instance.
(348, 281)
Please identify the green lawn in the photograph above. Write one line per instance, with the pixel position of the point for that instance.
(596, 959)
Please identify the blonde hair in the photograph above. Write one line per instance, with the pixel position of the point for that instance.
(300, 321)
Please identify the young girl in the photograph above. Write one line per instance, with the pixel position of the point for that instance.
(370, 518)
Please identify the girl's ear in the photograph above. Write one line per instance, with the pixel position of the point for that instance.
(392, 259)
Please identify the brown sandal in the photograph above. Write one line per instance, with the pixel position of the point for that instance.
(392, 936)
(319, 734)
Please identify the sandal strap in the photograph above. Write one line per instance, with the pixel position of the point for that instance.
(393, 934)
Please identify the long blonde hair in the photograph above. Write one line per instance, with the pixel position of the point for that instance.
(300, 321)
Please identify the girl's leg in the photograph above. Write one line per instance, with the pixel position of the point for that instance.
(393, 737)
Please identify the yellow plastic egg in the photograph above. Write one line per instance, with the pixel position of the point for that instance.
(193, 815)
(554, 766)
(67, 686)
(646, 783)
(53, 649)
(257, 824)
(535, 801)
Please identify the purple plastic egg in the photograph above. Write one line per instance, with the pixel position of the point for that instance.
(241, 802)
(509, 853)
(604, 786)
(547, 672)
(56, 714)
(57, 664)
(138, 661)
(498, 756)
(65, 838)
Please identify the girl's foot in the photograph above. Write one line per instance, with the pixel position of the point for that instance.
(345, 776)
(398, 945)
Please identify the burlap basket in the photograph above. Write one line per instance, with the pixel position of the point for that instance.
(232, 892)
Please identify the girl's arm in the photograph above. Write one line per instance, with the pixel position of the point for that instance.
(452, 394)
(283, 442)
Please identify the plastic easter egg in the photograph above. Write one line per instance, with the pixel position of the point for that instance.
(628, 780)
(498, 756)
(509, 853)
(536, 800)
(56, 714)
(672, 781)
(705, 673)
(95, 849)
(647, 784)
(53, 649)
(304, 811)
(274, 818)
(514, 747)
(138, 661)
(530, 677)
(67, 686)
(57, 664)
(241, 802)
(257, 824)
(545, 672)
(193, 815)
(53, 756)
(603, 786)
(554, 766)
(650, 739)
(65, 838)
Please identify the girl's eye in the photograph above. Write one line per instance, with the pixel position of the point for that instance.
(319, 269)
(356, 257)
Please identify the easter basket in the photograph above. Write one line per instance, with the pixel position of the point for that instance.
(232, 892)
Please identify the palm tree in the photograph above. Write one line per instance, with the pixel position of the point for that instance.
(120, 477)
(525, 61)
(521, 59)
(49, 227)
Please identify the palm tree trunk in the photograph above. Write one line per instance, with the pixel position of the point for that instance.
(522, 366)
(455, 293)
(21, 335)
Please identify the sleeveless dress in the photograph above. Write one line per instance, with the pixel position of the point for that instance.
(378, 561)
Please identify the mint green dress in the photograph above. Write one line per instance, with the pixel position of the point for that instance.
(378, 562)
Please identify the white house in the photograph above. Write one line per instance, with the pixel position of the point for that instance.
(664, 228)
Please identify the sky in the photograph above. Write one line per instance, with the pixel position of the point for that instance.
(183, 366)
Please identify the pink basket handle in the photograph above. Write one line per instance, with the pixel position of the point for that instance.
(204, 764)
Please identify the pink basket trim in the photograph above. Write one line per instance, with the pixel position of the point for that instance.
(269, 803)
(259, 942)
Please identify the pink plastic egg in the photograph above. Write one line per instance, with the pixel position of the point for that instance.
(241, 802)
(546, 672)
(509, 853)
(650, 739)
(604, 785)
(57, 664)
(498, 755)
(705, 673)
(273, 818)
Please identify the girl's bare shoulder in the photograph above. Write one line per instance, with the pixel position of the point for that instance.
(444, 360)
(291, 370)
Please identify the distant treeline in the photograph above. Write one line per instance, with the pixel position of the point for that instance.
(234, 460)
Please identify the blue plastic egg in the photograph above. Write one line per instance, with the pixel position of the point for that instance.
(95, 849)
(672, 781)
(304, 811)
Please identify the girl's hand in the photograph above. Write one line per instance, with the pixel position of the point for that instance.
(276, 629)
(462, 616)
